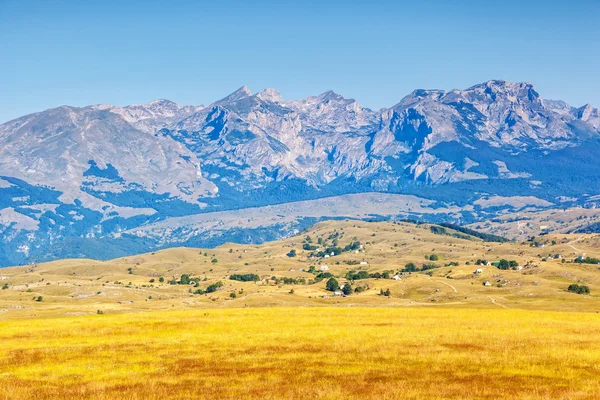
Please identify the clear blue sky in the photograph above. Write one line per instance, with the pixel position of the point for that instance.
(121, 52)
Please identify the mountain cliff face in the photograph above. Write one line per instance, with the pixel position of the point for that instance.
(73, 178)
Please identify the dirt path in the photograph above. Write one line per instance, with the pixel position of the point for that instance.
(575, 241)
(496, 303)
(519, 228)
(452, 287)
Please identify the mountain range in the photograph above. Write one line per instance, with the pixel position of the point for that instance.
(92, 181)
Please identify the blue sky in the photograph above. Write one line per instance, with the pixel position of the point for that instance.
(192, 52)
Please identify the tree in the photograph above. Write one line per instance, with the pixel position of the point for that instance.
(5, 286)
(232, 295)
(185, 279)
(433, 257)
(292, 253)
(214, 261)
(39, 298)
(332, 285)
(347, 290)
(410, 267)
(161, 279)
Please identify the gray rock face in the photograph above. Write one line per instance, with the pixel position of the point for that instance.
(97, 171)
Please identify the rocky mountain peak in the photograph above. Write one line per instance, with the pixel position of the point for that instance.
(239, 94)
(271, 95)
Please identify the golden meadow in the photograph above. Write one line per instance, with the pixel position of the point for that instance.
(302, 353)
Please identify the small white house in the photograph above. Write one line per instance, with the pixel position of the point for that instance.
(332, 254)
(486, 283)
(397, 278)
(326, 256)
(360, 246)
(364, 263)
(3, 278)
(324, 268)
(338, 293)
(478, 271)
(519, 268)
(355, 251)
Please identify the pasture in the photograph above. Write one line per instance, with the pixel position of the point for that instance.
(300, 353)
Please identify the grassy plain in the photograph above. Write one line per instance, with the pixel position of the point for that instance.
(301, 353)
(440, 334)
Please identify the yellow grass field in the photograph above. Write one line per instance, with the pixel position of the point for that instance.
(303, 353)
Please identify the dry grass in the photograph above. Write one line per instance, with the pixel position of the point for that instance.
(299, 353)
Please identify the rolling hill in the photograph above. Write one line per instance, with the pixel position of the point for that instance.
(275, 277)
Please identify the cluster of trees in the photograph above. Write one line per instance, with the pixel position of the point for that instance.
(332, 285)
(579, 289)
(289, 281)
(505, 264)
(502, 264)
(587, 260)
(244, 277)
(385, 292)
(310, 247)
(322, 275)
(485, 236)
(353, 275)
(411, 267)
(307, 244)
(185, 279)
(428, 266)
(210, 288)
(333, 248)
(354, 245)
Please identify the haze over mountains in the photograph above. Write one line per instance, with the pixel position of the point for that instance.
(93, 181)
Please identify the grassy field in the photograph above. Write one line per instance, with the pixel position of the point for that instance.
(300, 353)
(88, 329)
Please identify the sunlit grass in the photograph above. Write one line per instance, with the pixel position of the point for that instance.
(300, 353)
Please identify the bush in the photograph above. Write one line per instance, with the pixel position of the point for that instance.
(5, 286)
(579, 289)
(292, 253)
